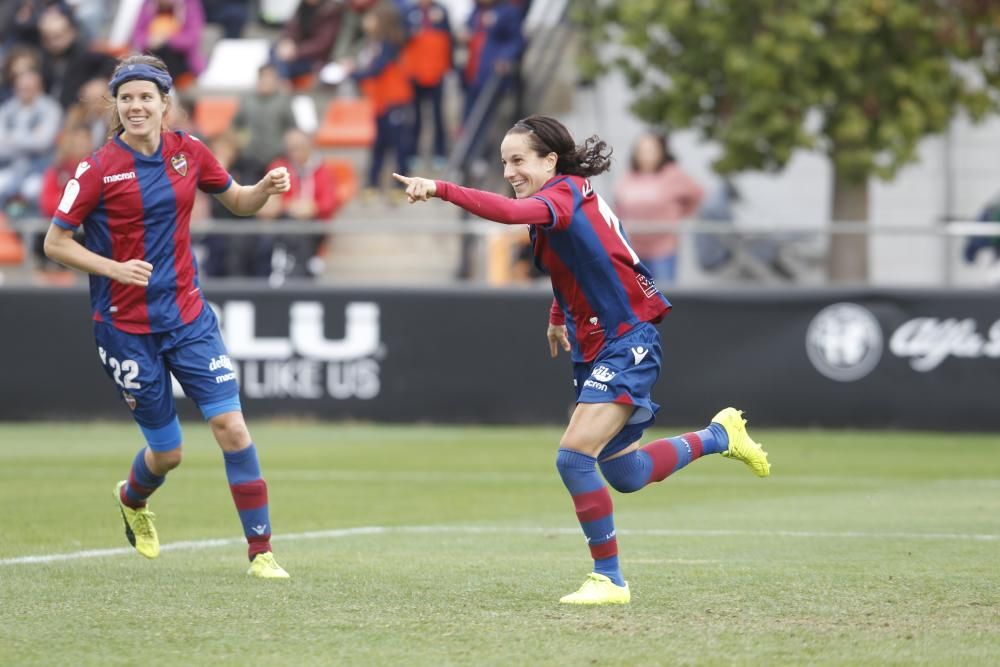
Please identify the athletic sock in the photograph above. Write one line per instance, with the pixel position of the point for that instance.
(250, 495)
(141, 483)
(592, 502)
(659, 459)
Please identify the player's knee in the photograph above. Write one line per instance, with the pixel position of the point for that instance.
(580, 443)
(230, 431)
(168, 460)
(623, 474)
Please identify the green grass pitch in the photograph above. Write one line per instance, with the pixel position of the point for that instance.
(423, 545)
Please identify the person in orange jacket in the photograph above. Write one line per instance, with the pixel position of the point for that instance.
(427, 59)
(379, 74)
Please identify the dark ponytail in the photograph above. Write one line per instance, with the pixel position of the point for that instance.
(547, 135)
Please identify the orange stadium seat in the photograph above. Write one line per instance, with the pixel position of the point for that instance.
(345, 177)
(347, 122)
(214, 115)
(11, 248)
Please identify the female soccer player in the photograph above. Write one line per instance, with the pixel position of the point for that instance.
(134, 197)
(604, 312)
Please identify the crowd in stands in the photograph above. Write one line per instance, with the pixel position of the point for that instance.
(395, 55)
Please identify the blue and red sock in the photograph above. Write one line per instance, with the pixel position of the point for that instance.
(250, 495)
(594, 510)
(141, 483)
(659, 459)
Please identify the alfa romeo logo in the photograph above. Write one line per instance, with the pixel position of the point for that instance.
(844, 342)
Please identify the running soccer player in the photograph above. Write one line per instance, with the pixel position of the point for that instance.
(604, 312)
(133, 197)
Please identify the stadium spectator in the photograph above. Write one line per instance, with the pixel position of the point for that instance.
(230, 255)
(604, 312)
(312, 196)
(427, 59)
(19, 21)
(264, 117)
(151, 321)
(380, 75)
(171, 30)
(308, 38)
(67, 60)
(495, 44)
(92, 17)
(230, 14)
(75, 144)
(29, 124)
(91, 110)
(20, 58)
(656, 191)
(984, 251)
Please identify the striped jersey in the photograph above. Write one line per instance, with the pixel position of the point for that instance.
(134, 206)
(598, 281)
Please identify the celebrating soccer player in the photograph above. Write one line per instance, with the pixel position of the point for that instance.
(604, 312)
(134, 197)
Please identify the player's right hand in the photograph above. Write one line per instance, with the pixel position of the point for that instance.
(557, 338)
(132, 272)
(417, 189)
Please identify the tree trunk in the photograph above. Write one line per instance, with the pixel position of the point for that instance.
(848, 259)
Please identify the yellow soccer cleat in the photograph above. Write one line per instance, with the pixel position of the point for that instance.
(741, 445)
(598, 589)
(139, 528)
(264, 566)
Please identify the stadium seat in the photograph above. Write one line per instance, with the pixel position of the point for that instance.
(214, 115)
(11, 248)
(347, 122)
(345, 178)
(234, 63)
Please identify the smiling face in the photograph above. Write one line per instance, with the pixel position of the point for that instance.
(523, 167)
(141, 107)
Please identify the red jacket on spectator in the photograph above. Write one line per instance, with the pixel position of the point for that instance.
(316, 181)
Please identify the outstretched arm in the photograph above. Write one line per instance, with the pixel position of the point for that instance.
(487, 205)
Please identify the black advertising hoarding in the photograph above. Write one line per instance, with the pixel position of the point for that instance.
(908, 359)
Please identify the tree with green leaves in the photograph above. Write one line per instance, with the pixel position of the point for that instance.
(863, 81)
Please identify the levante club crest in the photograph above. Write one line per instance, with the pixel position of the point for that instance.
(180, 164)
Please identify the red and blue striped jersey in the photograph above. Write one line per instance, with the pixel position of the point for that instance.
(134, 206)
(598, 280)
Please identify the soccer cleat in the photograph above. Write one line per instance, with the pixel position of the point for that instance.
(264, 566)
(598, 589)
(741, 445)
(139, 528)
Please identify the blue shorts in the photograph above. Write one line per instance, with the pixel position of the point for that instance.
(624, 371)
(140, 365)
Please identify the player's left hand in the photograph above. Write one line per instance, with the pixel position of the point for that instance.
(276, 181)
(417, 189)
(557, 338)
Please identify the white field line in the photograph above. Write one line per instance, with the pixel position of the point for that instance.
(337, 533)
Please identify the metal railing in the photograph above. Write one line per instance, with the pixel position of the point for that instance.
(789, 255)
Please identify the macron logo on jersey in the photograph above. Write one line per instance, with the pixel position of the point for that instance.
(82, 167)
(114, 178)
